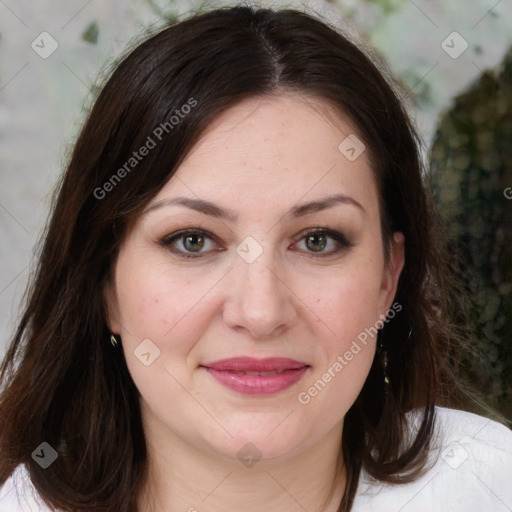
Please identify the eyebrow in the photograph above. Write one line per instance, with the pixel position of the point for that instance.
(209, 208)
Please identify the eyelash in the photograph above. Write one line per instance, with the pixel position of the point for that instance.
(168, 241)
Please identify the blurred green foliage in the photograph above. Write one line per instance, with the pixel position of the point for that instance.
(169, 13)
(472, 167)
(91, 33)
(388, 6)
(421, 88)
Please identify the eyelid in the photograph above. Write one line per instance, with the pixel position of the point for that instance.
(187, 231)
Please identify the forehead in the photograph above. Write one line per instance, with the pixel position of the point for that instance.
(287, 122)
(275, 150)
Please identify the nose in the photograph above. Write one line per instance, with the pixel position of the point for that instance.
(260, 302)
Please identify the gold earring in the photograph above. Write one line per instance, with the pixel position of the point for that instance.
(113, 340)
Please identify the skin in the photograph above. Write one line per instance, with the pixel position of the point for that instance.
(258, 159)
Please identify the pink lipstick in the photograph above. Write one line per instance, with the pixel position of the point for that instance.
(250, 376)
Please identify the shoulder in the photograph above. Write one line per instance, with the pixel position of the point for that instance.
(470, 471)
(19, 495)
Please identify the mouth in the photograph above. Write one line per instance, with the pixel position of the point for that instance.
(250, 376)
(255, 373)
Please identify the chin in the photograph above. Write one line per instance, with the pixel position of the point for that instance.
(262, 440)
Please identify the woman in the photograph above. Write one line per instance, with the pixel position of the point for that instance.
(242, 301)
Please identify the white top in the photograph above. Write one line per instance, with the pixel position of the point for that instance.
(471, 472)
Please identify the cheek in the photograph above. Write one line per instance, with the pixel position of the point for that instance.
(153, 301)
(349, 312)
(171, 308)
(165, 308)
(348, 302)
(347, 308)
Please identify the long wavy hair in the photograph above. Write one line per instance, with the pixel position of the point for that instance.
(64, 384)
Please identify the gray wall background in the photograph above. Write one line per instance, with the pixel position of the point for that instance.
(42, 96)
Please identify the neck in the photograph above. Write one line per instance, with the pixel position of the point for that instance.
(183, 478)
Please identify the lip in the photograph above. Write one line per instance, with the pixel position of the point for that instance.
(251, 364)
(231, 373)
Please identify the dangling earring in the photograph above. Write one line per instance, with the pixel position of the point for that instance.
(113, 340)
(384, 362)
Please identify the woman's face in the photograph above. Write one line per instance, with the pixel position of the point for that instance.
(282, 258)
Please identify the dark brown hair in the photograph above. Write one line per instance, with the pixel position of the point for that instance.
(64, 384)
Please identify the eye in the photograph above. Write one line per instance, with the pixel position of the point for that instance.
(189, 243)
(317, 240)
(194, 243)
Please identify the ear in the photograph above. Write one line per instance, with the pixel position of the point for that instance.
(392, 273)
(111, 307)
